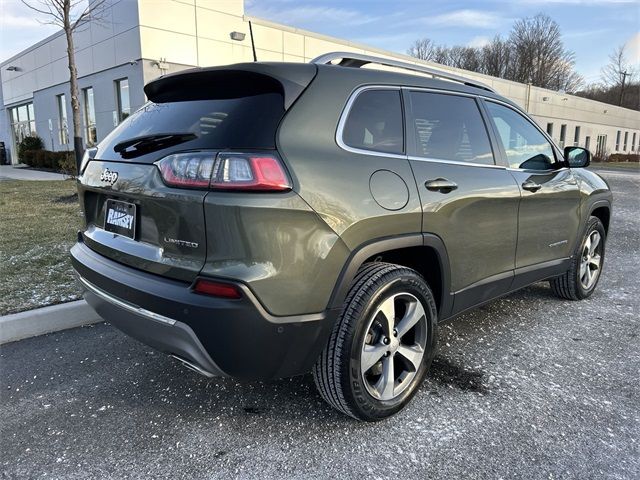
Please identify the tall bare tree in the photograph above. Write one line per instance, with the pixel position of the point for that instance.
(496, 56)
(423, 49)
(619, 69)
(533, 53)
(70, 16)
(620, 83)
(618, 73)
(541, 58)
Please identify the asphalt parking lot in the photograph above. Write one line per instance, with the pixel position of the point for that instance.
(526, 386)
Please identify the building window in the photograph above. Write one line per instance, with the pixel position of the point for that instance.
(122, 96)
(587, 142)
(576, 137)
(63, 133)
(23, 123)
(618, 141)
(89, 116)
(626, 140)
(550, 129)
(601, 146)
(633, 142)
(563, 135)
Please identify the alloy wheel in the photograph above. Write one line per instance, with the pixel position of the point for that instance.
(394, 346)
(591, 260)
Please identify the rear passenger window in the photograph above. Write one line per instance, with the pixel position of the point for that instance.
(375, 122)
(450, 127)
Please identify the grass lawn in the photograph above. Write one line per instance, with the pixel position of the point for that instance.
(38, 225)
(617, 165)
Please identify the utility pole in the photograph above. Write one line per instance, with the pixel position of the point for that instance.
(624, 77)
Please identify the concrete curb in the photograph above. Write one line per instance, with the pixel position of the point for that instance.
(46, 320)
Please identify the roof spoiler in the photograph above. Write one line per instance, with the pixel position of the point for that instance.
(233, 81)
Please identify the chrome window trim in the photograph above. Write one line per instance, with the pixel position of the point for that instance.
(345, 115)
(125, 305)
(354, 95)
(455, 162)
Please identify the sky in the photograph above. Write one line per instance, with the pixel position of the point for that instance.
(592, 29)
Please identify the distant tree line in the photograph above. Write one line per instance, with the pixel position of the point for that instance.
(534, 52)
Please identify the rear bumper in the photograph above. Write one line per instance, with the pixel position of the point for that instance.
(217, 337)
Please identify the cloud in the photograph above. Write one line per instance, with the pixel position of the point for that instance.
(464, 18)
(478, 42)
(20, 28)
(578, 2)
(306, 15)
(632, 47)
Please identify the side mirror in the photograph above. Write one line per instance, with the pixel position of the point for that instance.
(577, 157)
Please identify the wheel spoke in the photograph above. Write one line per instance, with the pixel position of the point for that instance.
(386, 384)
(587, 245)
(413, 315)
(413, 354)
(370, 356)
(595, 261)
(583, 270)
(589, 275)
(594, 240)
(388, 310)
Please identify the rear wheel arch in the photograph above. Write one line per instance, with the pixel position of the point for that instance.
(424, 253)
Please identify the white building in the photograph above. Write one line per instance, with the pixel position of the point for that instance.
(139, 40)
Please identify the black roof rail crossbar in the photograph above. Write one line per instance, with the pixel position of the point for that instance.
(357, 60)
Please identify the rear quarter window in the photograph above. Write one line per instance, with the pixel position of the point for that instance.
(374, 122)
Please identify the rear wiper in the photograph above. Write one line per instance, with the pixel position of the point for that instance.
(137, 146)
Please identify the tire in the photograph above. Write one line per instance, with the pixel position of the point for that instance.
(378, 292)
(573, 284)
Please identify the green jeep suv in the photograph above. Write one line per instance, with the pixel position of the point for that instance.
(265, 220)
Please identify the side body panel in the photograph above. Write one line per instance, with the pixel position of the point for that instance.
(275, 244)
(336, 183)
(549, 219)
(477, 222)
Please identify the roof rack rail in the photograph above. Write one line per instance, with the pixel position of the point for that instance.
(357, 60)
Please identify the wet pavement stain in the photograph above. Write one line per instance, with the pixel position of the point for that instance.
(449, 374)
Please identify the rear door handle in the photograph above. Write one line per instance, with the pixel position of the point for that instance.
(531, 186)
(440, 185)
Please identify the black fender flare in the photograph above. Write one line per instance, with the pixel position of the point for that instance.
(367, 250)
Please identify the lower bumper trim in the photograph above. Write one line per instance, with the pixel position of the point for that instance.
(127, 306)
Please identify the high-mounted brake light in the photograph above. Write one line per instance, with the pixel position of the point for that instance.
(217, 289)
(258, 172)
(249, 171)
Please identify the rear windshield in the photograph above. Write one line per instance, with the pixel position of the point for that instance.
(245, 122)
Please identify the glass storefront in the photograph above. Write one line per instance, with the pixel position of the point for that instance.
(23, 124)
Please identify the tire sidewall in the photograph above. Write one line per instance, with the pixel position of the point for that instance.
(372, 408)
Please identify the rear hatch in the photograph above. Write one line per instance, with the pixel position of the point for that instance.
(133, 215)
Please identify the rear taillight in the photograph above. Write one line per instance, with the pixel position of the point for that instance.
(239, 171)
(216, 289)
(263, 172)
(190, 170)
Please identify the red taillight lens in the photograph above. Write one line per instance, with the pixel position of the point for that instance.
(190, 170)
(245, 171)
(217, 289)
(258, 172)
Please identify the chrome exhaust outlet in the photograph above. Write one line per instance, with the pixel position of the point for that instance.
(192, 366)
